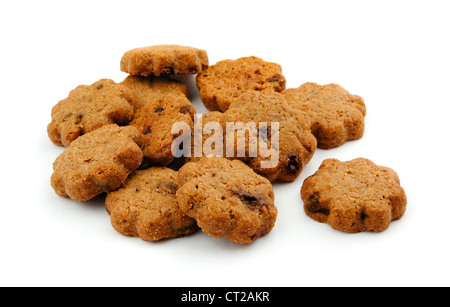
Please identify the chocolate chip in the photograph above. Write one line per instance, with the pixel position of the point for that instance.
(251, 200)
(294, 164)
(79, 118)
(184, 109)
(168, 187)
(363, 216)
(313, 205)
(274, 78)
(158, 110)
(147, 130)
(100, 87)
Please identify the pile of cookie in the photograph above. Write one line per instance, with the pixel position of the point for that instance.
(119, 138)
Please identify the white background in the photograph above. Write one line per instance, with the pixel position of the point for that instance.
(395, 54)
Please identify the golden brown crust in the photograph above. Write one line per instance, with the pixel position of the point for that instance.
(227, 199)
(354, 196)
(164, 60)
(336, 116)
(88, 108)
(146, 206)
(97, 162)
(221, 83)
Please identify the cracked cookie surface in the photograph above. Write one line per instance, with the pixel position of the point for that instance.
(164, 60)
(336, 116)
(89, 107)
(224, 81)
(227, 199)
(97, 162)
(146, 206)
(354, 196)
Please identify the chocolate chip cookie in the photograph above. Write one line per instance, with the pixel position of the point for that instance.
(145, 90)
(146, 206)
(292, 141)
(99, 161)
(155, 122)
(164, 60)
(89, 107)
(221, 83)
(336, 115)
(227, 199)
(354, 196)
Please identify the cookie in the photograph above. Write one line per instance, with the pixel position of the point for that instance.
(155, 121)
(145, 90)
(293, 143)
(221, 83)
(354, 196)
(227, 199)
(99, 161)
(89, 107)
(206, 143)
(146, 206)
(164, 60)
(336, 115)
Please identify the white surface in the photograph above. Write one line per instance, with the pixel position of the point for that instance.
(395, 54)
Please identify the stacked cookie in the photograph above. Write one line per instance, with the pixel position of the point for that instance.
(119, 140)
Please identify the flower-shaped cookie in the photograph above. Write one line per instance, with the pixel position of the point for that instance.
(354, 196)
(99, 161)
(146, 206)
(336, 115)
(88, 108)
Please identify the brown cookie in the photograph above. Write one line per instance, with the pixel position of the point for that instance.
(336, 116)
(164, 60)
(155, 121)
(354, 196)
(99, 161)
(88, 108)
(146, 206)
(145, 90)
(221, 83)
(294, 143)
(206, 142)
(227, 199)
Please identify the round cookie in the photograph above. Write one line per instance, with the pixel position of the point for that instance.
(97, 162)
(89, 107)
(221, 83)
(354, 196)
(164, 60)
(296, 144)
(146, 206)
(155, 121)
(336, 116)
(227, 199)
(145, 90)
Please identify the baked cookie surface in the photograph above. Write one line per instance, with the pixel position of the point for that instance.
(221, 83)
(155, 122)
(296, 144)
(227, 199)
(164, 60)
(354, 196)
(145, 90)
(89, 107)
(336, 115)
(146, 206)
(97, 162)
